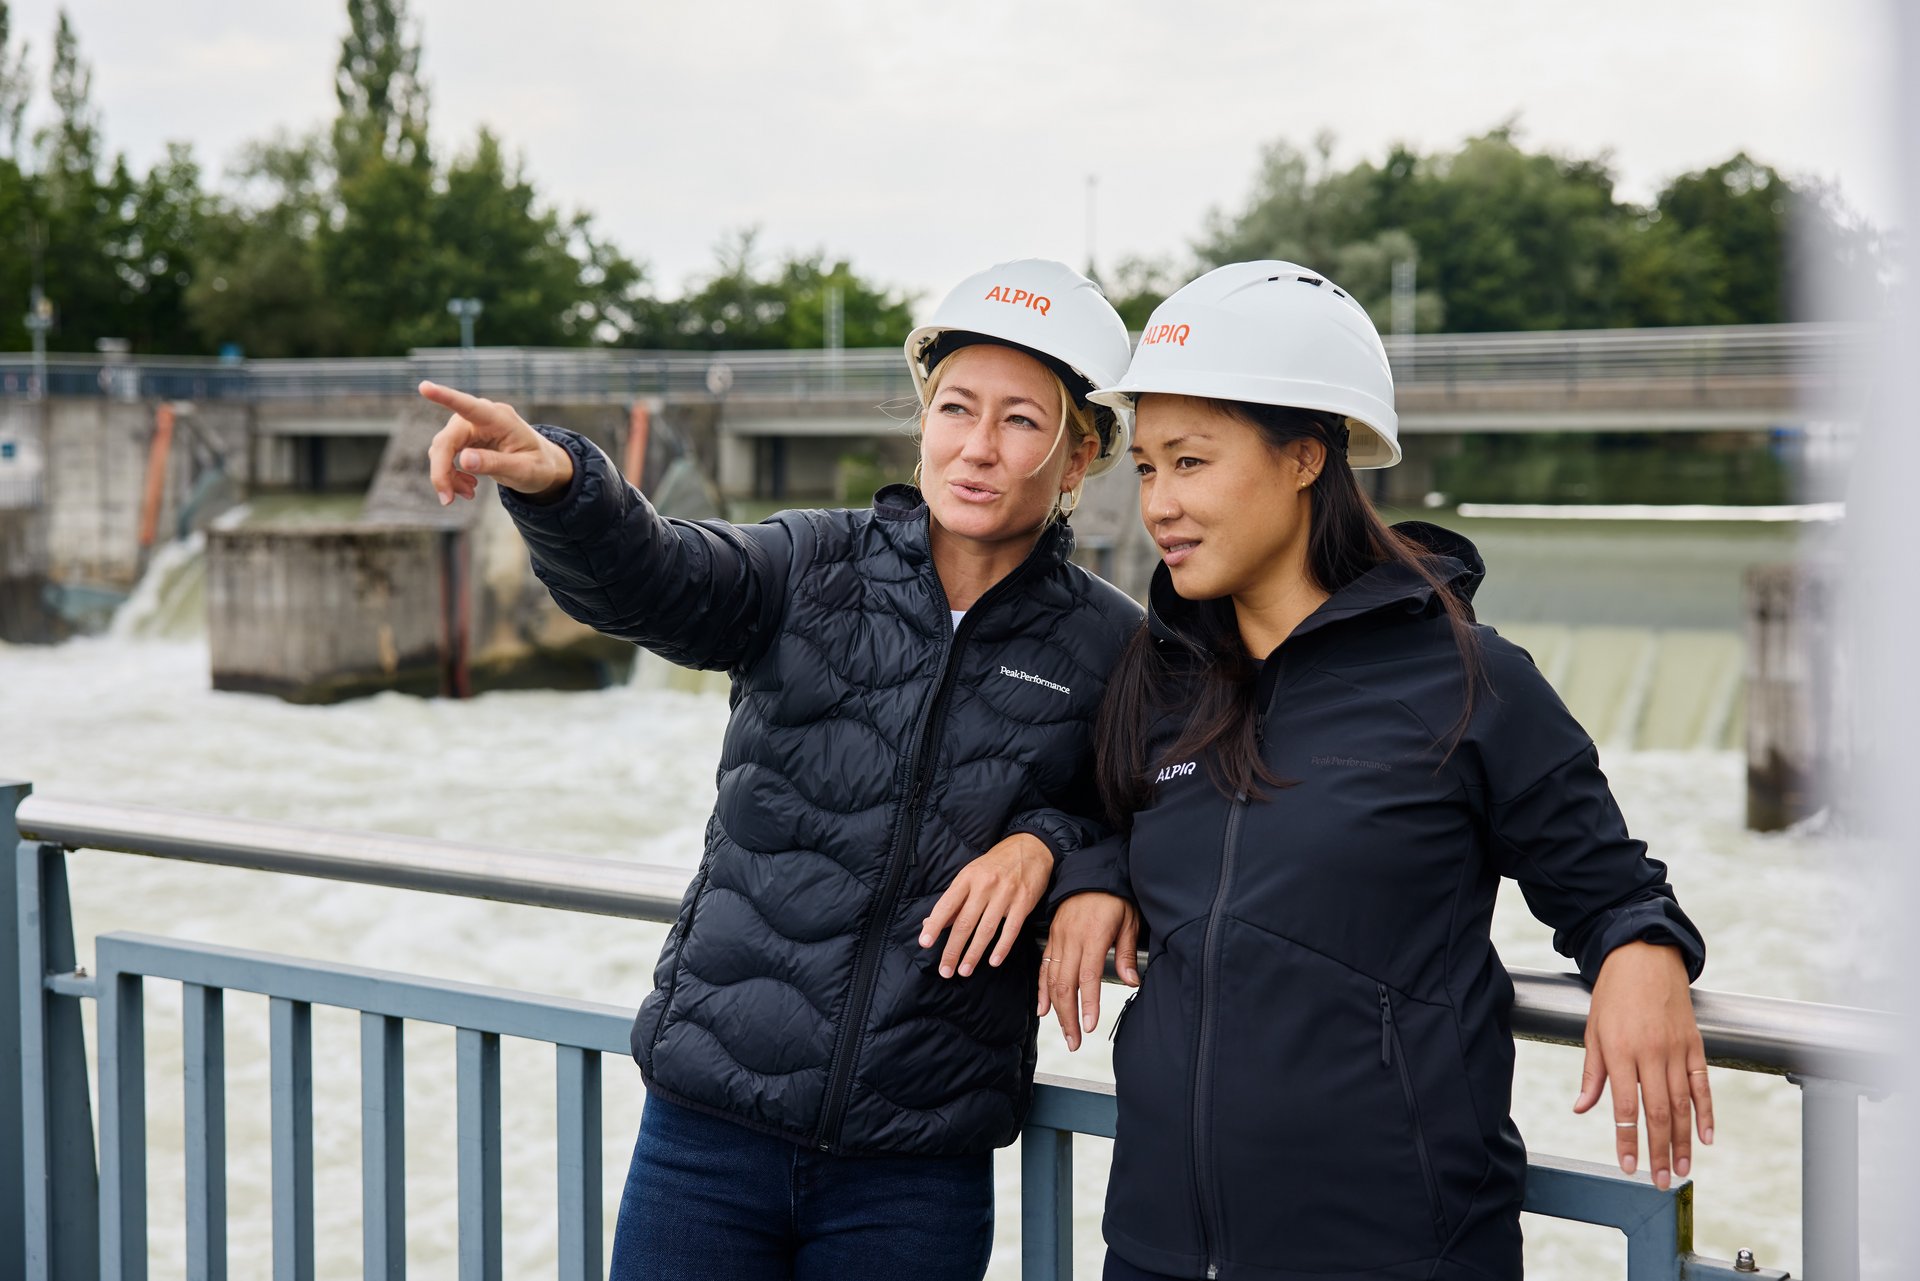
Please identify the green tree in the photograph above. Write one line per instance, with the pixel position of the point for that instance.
(1304, 211)
(1135, 285)
(19, 221)
(1510, 239)
(741, 307)
(16, 88)
(1735, 212)
(259, 283)
(492, 242)
(83, 216)
(383, 105)
(168, 219)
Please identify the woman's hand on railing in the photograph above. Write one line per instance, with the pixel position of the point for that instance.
(1642, 1037)
(994, 893)
(1085, 928)
(486, 438)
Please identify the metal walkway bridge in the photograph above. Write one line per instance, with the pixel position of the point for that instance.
(1732, 378)
(62, 1216)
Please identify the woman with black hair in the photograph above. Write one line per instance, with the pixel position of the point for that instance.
(1323, 767)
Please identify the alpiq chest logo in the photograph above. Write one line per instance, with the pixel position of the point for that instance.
(1172, 772)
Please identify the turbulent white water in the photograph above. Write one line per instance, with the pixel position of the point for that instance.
(628, 773)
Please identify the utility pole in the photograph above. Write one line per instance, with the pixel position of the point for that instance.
(466, 311)
(39, 320)
(834, 324)
(1403, 316)
(1093, 185)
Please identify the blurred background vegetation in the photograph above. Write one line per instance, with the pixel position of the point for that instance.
(350, 241)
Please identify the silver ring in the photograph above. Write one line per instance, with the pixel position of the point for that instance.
(1047, 959)
(1626, 1125)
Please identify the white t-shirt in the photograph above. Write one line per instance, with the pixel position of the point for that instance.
(958, 614)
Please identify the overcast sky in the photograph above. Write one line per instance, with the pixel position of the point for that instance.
(925, 141)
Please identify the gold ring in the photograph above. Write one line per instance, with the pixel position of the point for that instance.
(1698, 1072)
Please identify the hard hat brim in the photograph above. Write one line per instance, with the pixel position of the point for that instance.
(1373, 424)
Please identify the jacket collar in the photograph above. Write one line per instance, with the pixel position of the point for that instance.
(1384, 588)
(905, 511)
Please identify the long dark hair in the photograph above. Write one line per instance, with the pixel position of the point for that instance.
(1208, 674)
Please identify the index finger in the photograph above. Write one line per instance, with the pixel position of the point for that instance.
(453, 398)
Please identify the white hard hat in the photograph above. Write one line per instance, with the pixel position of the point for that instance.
(1270, 333)
(1051, 312)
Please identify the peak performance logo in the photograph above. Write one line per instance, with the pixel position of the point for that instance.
(1031, 679)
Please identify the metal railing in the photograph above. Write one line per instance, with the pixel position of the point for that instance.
(1703, 356)
(75, 1222)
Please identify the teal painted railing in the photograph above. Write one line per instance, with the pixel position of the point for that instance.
(74, 1220)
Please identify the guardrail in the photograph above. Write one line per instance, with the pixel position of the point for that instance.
(1702, 356)
(74, 1222)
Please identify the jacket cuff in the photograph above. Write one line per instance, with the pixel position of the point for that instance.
(1056, 837)
(1096, 869)
(1660, 921)
(558, 514)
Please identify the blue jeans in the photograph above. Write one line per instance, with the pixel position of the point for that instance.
(710, 1199)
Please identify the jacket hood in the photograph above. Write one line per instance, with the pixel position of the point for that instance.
(1171, 616)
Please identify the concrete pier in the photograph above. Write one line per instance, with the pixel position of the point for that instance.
(414, 596)
(1794, 716)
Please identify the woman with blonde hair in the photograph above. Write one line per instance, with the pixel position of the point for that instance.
(829, 1066)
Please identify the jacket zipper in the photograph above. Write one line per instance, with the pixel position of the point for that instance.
(1391, 1054)
(900, 857)
(683, 927)
(1113, 1032)
(1202, 1076)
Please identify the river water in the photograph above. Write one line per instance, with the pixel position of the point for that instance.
(628, 773)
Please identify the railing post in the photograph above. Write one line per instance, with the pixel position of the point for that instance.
(1046, 1204)
(477, 1103)
(123, 1126)
(1656, 1245)
(59, 1186)
(13, 1229)
(383, 1147)
(1830, 1178)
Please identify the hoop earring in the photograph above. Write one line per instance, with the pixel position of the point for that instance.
(916, 473)
(1065, 505)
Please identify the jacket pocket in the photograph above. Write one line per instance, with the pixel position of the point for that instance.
(1393, 1056)
(675, 948)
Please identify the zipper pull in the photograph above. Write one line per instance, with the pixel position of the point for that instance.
(1120, 1018)
(1386, 1027)
(1259, 728)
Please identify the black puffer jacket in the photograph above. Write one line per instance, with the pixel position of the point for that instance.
(872, 753)
(1314, 1078)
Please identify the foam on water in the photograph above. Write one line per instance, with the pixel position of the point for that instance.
(629, 773)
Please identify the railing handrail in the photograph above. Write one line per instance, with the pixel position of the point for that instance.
(1694, 353)
(1742, 1031)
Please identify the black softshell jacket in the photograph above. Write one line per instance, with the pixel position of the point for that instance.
(1314, 1078)
(873, 751)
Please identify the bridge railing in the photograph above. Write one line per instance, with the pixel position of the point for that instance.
(73, 1219)
(1707, 356)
